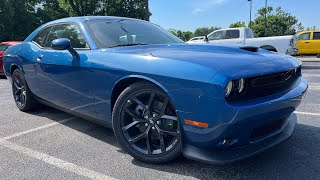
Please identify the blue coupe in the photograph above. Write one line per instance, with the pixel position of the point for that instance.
(161, 96)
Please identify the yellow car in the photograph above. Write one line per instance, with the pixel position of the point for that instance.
(308, 42)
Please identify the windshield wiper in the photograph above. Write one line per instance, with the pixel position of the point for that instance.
(129, 44)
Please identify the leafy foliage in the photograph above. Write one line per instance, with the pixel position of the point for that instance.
(20, 17)
(187, 35)
(184, 35)
(203, 31)
(278, 23)
(238, 24)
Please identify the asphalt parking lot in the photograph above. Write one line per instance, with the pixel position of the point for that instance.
(50, 144)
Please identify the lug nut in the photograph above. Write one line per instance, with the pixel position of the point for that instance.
(158, 122)
(154, 115)
(153, 128)
(146, 124)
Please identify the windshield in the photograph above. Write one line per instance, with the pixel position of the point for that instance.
(114, 33)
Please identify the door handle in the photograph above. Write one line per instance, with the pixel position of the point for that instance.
(39, 57)
(307, 42)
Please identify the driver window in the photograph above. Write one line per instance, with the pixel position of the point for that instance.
(69, 31)
(216, 35)
(305, 36)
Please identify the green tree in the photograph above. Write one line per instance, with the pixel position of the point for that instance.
(49, 10)
(184, 35)
(312, 28)
(278, 23)
(125, 8)
(238, 24)
(18, 19)
(203, 31)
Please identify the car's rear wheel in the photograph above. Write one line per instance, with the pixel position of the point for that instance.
(146, 124)
(22, 95)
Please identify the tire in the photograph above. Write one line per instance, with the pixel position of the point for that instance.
(22, 95)
(143, 127)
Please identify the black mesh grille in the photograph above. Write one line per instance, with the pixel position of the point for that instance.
(262, 86)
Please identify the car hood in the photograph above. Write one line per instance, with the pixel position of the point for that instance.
(219, 57)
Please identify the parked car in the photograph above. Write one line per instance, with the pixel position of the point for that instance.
(3, 47)
(197, 39)
(244, 36)
(161, 96)
(308, 43)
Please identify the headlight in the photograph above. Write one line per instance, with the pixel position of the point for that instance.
(228, 89)
(241, 85)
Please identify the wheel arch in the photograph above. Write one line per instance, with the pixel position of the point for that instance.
(14, 67)
(269, 48)
(125, 82)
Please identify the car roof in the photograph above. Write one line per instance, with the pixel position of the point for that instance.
(82, 19)
(309, 31)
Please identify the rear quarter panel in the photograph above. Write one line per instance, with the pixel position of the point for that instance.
(22, 56)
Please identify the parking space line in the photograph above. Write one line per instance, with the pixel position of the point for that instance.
(311, 75)
(55, 161)
(314, 87)
(307, 113)
(37, 129)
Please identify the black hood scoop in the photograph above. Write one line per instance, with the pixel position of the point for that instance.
(250, 48)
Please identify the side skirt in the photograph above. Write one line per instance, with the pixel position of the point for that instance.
(89, 118)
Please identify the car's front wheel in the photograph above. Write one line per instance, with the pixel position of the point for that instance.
(146, 124)
(22, 95)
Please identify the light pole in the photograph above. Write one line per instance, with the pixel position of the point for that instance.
(265, 19)
(250, 13)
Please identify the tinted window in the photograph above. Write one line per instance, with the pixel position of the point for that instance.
(232, 34)
(3, 47)
(111, 33)
(316, 35)
(41, 38)
(305, 36)
(216, 35)
(68, 31)
(249, 33)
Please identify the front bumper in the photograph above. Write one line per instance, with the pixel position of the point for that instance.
(238, 125)
(292, 52)
(235, 154)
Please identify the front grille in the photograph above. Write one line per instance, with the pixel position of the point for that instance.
(262, 86)
(267, 129)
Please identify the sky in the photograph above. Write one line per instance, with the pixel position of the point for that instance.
(191, 14)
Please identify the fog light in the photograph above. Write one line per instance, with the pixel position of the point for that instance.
(228, 89)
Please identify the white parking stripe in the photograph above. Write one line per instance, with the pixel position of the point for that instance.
(311, 75)
(37, 129)
(55, 161)
(307, 113)
(314, 87)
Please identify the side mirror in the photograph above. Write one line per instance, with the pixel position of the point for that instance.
(206, 39)
(64, 44)
(61, 44)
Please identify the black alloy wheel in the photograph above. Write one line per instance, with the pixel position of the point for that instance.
(146, 124)
(21, 93)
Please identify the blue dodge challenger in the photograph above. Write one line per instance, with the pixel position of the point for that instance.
(162, 97)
